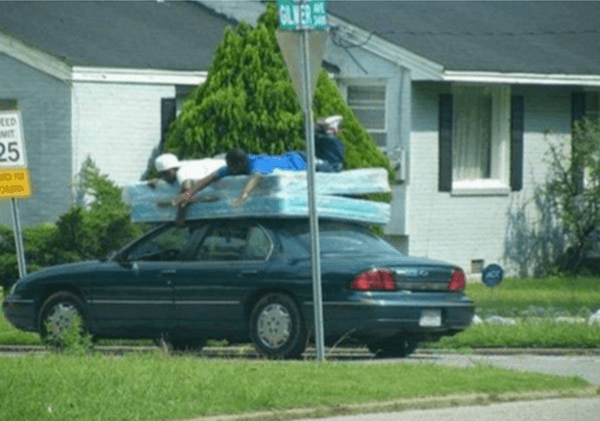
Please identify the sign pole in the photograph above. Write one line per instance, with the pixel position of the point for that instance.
(302, 17)
(312, 200)
(18, 238)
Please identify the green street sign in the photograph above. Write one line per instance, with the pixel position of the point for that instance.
(298, 15)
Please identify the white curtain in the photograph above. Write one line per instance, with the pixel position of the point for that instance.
(471, 143)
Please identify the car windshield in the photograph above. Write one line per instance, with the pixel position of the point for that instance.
(343, 238)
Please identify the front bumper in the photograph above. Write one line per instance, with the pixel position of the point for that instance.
(20, 313)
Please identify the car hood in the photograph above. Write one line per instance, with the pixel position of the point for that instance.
(61, 271)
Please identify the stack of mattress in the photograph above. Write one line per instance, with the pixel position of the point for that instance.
(280, 194)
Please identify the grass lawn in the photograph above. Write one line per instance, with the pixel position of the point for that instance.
(156, 387)
(557, 296)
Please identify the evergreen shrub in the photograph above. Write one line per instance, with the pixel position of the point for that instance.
(248, 101)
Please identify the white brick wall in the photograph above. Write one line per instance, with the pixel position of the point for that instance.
(118, 125)
(460, 229)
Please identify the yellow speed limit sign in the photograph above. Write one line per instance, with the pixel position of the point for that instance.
(14, 174)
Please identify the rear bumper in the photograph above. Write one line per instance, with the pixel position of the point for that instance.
(20, 313)
(375, 316)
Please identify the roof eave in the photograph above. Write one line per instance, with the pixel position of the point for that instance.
(145, 76)
(422, 68)
(34, 57)
(521, 78)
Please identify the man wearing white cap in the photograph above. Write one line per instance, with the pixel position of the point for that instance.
(184, 173)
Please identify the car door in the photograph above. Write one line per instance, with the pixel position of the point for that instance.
(134, 297)
(230, 261)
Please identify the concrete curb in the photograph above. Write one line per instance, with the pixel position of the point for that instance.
(474, 399)
(233, 351)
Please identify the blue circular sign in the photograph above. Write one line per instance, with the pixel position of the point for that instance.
(492, 275)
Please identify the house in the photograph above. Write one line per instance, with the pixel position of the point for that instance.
(97, 79)
(464, 97)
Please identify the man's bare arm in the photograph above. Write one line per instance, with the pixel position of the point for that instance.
(250, 185)
(184, 198)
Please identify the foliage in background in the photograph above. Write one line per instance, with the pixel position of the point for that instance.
(96, 224)
(574, 188)
(248, 101)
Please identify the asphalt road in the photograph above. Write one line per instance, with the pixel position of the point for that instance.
(584, 366)
(585, 409)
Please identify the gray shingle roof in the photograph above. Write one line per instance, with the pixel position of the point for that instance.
(122, 34)
(501, 36)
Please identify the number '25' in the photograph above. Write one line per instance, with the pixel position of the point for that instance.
(13, 152)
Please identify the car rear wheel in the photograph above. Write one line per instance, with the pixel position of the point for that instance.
(276, 327)
(396, 347)
(58, 312)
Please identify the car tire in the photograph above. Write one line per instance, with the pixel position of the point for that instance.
(395, 347)
(277, 328)
(58, 311)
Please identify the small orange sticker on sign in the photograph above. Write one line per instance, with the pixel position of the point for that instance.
(14, 183)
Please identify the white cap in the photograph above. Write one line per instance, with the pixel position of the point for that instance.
(332, 124)
(166, 162)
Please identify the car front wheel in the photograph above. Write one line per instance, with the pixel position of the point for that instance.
(58, 312)
(276, 327)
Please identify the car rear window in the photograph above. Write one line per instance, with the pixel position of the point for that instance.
(343, 238)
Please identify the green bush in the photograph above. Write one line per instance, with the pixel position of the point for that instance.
(72, 340)
(85, 231)
(248, 101)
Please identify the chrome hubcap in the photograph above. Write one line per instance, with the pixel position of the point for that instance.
(274, 325)
(60, 317)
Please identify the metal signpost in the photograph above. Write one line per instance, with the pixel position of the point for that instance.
(14, 175)
(302, 18)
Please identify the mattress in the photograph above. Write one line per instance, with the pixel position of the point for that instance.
(281, 194)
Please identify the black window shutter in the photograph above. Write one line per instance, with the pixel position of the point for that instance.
(578, 110)
(517, 120)
(578, 106)
(168, 112)
(445, 143)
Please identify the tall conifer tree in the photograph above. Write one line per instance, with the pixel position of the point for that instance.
(248, 101)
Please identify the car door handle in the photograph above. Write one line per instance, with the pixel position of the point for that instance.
(248, 272)
(168, 272)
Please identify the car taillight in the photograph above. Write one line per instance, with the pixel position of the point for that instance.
(378, 279)
(457, 281)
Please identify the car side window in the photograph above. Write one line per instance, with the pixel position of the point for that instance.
(258, 245)
(233, 242)
(166, 246)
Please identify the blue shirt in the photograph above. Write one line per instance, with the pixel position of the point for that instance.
(265, 164)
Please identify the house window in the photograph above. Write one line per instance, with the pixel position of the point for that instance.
(368, 104)
(480, 135)
(481, 139)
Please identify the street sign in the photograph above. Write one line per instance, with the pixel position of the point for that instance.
(297, 15)
(14, 175)
(492, 275)
(14, 183)
(289, 44)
